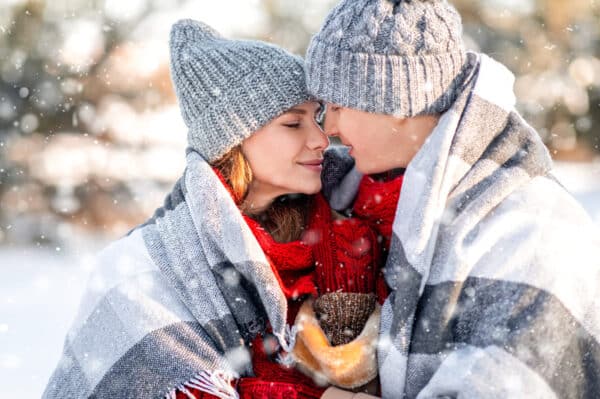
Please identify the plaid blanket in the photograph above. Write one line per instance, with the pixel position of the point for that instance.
(173, 304)
(494, 267)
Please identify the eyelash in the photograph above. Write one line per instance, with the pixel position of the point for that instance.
(319, 112)
(292, 125)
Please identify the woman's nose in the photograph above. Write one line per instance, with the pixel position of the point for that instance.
(317, 139)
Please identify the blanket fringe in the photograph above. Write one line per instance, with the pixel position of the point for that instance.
(216, 383)
(286, 359)
(187, 393)
(172, 394)
(287, 339)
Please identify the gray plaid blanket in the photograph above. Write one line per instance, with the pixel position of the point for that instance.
(494, 267)
(173, 304)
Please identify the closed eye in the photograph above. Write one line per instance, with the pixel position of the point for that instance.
(292, 125)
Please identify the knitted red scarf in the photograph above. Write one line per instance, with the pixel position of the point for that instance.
(376, 202)
(292, 262)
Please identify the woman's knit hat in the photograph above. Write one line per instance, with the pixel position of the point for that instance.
(228, 89)
(402, 57)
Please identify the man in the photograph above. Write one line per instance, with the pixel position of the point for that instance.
(494, 267)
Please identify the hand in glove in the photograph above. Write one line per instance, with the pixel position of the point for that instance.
(348, 366)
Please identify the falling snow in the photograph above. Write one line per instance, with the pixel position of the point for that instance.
(91, 138)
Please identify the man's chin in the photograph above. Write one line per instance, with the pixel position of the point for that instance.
(370, 167)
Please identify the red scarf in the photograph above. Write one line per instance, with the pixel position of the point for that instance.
(291, 262)
(376, 202)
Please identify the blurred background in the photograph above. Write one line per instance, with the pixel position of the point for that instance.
(91, 138)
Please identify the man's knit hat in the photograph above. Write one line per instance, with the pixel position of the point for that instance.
(228, 89)
(401, 58)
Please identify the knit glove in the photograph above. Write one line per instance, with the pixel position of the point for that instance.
(343, 315)
(348, 366)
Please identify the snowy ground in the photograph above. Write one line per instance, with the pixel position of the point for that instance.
(40, 290)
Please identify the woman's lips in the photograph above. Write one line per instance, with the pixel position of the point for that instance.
(315, 165)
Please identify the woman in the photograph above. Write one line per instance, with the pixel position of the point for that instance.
(202, 293)
(296, 233)
(285, 157)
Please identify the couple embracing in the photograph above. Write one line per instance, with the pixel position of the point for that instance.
(433, 255)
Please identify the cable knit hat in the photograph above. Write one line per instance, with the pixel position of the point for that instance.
(401, 58)
(228, 89)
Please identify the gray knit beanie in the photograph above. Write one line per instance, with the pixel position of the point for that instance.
(228, 89)
(402, 58)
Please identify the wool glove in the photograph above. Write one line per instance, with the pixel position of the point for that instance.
(343, 315)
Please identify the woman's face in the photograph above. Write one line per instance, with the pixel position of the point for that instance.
(286, 155)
